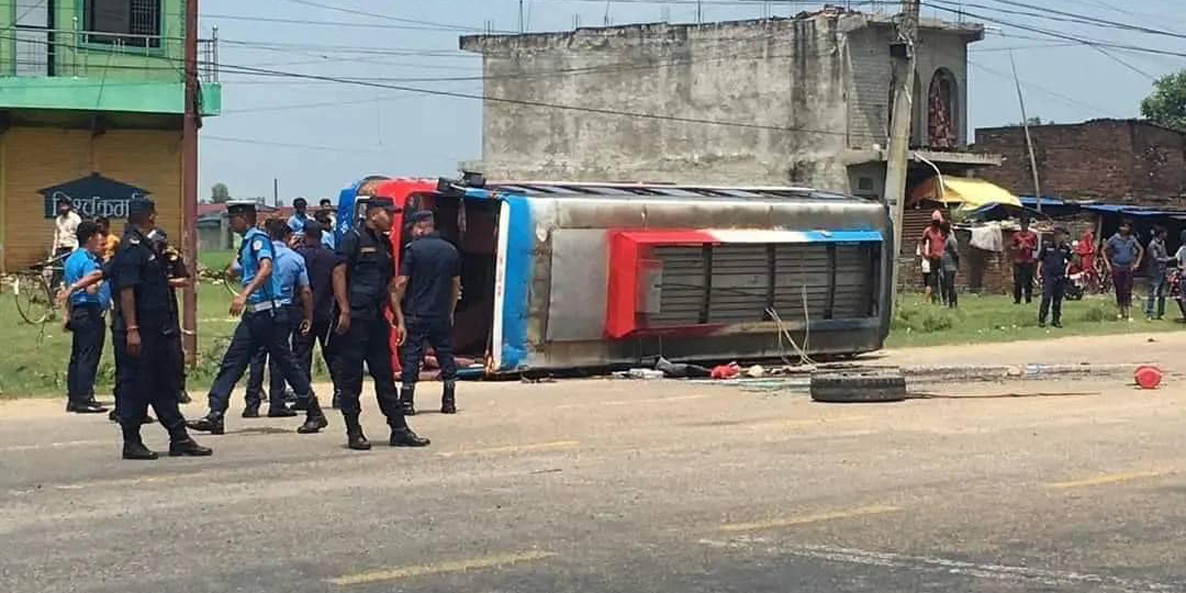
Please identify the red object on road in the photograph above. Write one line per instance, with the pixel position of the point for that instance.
(1147, 376)
(725, 371)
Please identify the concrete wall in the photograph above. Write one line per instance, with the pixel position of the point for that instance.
(1116, 160)
(809, 88)
(150, 159)
(779, 74)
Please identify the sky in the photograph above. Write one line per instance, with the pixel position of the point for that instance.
(315, 136)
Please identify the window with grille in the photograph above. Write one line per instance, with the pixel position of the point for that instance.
(126, 22)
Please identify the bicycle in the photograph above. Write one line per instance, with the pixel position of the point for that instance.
(34, 289)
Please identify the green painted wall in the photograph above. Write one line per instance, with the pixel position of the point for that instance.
(98, 76)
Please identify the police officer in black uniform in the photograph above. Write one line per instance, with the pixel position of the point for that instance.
(261, 326)
(429, 285)
(364, 287)
(146, 325)
(1054, 256)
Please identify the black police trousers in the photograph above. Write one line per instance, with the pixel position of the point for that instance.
(438, 332)
(1052, 292)
(286, 325)
(148, 379)
(366, 340)
(302, 347)
(1023, 281)
(87, 336)
(263, 329)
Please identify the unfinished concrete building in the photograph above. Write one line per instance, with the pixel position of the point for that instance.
(803, 101)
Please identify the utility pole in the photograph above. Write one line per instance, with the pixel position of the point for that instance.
(898, 159)
(521, 25)
(1029, 143)
(275, 192)
(189, 184)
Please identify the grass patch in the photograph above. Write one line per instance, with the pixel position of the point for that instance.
(994, 318)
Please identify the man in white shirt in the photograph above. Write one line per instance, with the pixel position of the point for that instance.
(65, 228)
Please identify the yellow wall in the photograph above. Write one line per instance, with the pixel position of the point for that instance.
(34, 158)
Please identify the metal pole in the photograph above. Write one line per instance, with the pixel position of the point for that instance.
(897, 160)
(521, 29)
(189, 186)
(1029, 143)
(275, 192)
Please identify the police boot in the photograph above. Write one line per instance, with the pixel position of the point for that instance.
(407, 398)
(251, 411)
(183, 397)
(181, 444)
(211, 423)
(448, 399)
(337, 400)
(314, 419)
(134, 448)
(354, 437)
(404, 437)
(279, 410)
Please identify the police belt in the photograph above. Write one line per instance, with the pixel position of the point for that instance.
(264, 306)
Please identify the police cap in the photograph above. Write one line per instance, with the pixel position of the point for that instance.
(420, 216)
(312, 227)
(141, 206)
(381, 202)
(240, 207)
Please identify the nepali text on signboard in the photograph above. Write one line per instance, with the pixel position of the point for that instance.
(93, 196)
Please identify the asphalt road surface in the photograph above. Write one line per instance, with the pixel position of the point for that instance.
(602, 485)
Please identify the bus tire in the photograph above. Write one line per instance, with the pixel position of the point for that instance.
(858, 387)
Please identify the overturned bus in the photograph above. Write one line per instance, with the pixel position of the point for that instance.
(568, 275)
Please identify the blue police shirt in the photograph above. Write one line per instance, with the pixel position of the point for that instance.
(327, 240)
(255, 248)
(80, 263)
(289, 268)
(296, 222)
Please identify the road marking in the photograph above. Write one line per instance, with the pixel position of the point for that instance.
(945, 566)
(439, 568)
(512, 449)
(1103, 479)
(62, 445)
(631, 402)
(876, 509)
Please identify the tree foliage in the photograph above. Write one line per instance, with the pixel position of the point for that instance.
(1167, 104)
(219, 194)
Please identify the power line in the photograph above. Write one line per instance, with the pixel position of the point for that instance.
(1086, 19)
(285, 144)
(1037, 87)
(381, 16)
(546, 105)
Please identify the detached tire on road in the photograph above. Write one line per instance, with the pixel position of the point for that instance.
(858, 387)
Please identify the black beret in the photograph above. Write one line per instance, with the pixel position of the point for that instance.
(420, 216)
(141, 206)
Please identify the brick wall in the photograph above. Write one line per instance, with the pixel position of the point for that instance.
(1114, 160)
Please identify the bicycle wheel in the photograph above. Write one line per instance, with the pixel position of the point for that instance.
(34, 302)
(1104, 277)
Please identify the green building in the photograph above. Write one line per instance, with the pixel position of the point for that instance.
(92, 104)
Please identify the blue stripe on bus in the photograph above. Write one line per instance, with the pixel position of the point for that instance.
(517, 282)
(843, 236)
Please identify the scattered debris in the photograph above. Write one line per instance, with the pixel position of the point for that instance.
(725, 371)
(680, 370)
(756, 371)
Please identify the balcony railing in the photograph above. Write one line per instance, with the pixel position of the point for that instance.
(42, 52)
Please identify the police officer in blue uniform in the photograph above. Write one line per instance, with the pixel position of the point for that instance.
(85, 320)
(1054, 256)
(297, 302)
(429, 285)
(262, 326)
(145, 326)
(364, 287)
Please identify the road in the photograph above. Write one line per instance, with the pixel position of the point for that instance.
(604, 485)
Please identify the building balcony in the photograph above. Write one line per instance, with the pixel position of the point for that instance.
(53, 69)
